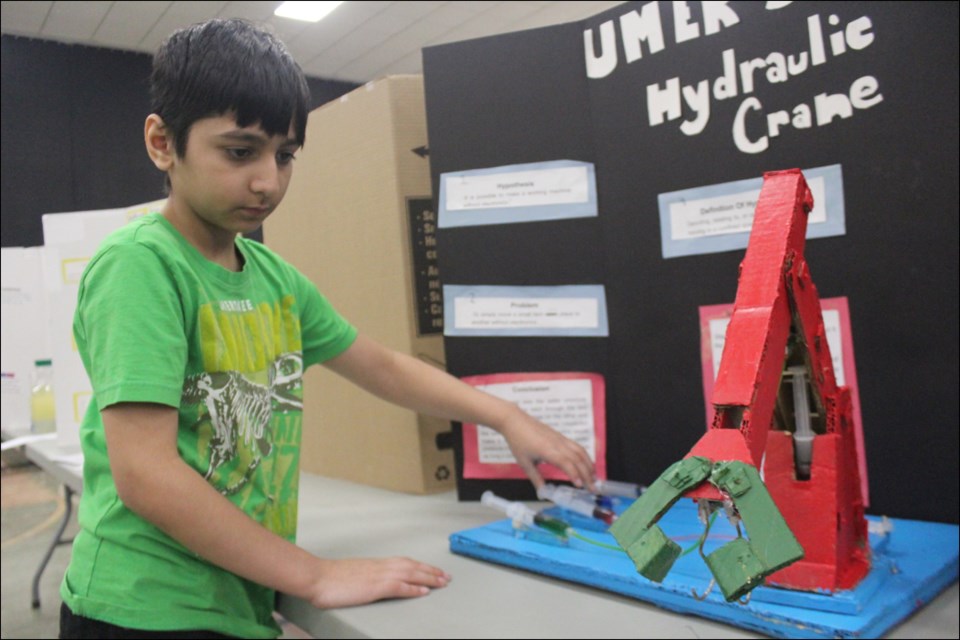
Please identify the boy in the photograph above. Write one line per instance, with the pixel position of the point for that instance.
(195, 340)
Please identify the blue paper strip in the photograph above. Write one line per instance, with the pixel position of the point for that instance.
(451, 217)
(454, 326)
(834, 225)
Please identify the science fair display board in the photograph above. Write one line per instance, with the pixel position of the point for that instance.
(596, 183)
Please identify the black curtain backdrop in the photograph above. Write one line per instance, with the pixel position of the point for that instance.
(72, 131)
(526, 97)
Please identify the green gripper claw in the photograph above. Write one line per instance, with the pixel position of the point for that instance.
(738, 566)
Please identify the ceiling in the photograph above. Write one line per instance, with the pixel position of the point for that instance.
(358, 42)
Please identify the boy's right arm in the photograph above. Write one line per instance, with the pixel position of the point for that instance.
(155, 483)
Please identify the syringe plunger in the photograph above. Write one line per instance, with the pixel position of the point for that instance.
(616, 488)
(516, 511)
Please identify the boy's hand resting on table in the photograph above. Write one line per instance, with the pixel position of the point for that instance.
(356, 581)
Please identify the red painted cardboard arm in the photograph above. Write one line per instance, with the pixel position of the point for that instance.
(776, 403)
(745, 392)
(777, 324)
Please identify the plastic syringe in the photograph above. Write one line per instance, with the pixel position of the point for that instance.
(803, 435)
(581, 502)
(620, 489)
(522, 515)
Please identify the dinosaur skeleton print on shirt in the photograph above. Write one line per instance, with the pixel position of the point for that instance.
(240, 411)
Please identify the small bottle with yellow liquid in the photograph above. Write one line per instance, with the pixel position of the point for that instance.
(42, 410)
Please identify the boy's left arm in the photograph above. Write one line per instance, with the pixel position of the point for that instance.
(410, 383)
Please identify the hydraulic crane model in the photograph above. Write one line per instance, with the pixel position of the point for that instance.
(776, 403)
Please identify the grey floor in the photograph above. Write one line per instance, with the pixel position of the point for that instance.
(33, 507)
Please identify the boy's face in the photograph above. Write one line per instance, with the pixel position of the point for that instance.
(231, 177)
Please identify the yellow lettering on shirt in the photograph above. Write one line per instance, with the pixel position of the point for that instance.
(240, 336)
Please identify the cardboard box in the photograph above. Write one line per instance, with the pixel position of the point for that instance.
(360, 188)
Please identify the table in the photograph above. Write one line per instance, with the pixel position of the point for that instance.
(53, 458)
(340, 519)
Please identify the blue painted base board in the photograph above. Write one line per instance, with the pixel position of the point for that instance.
(911, 565)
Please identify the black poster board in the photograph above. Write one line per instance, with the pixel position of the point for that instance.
(526, 97)
(427, 289)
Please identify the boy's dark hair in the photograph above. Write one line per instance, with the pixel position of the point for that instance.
(222, 66)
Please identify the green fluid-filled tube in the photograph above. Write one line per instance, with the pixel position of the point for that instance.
(553, 525)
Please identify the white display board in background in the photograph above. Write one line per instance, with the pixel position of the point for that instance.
(25, 333)
(70, 240)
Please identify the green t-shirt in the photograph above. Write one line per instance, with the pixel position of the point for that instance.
(157, 322)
